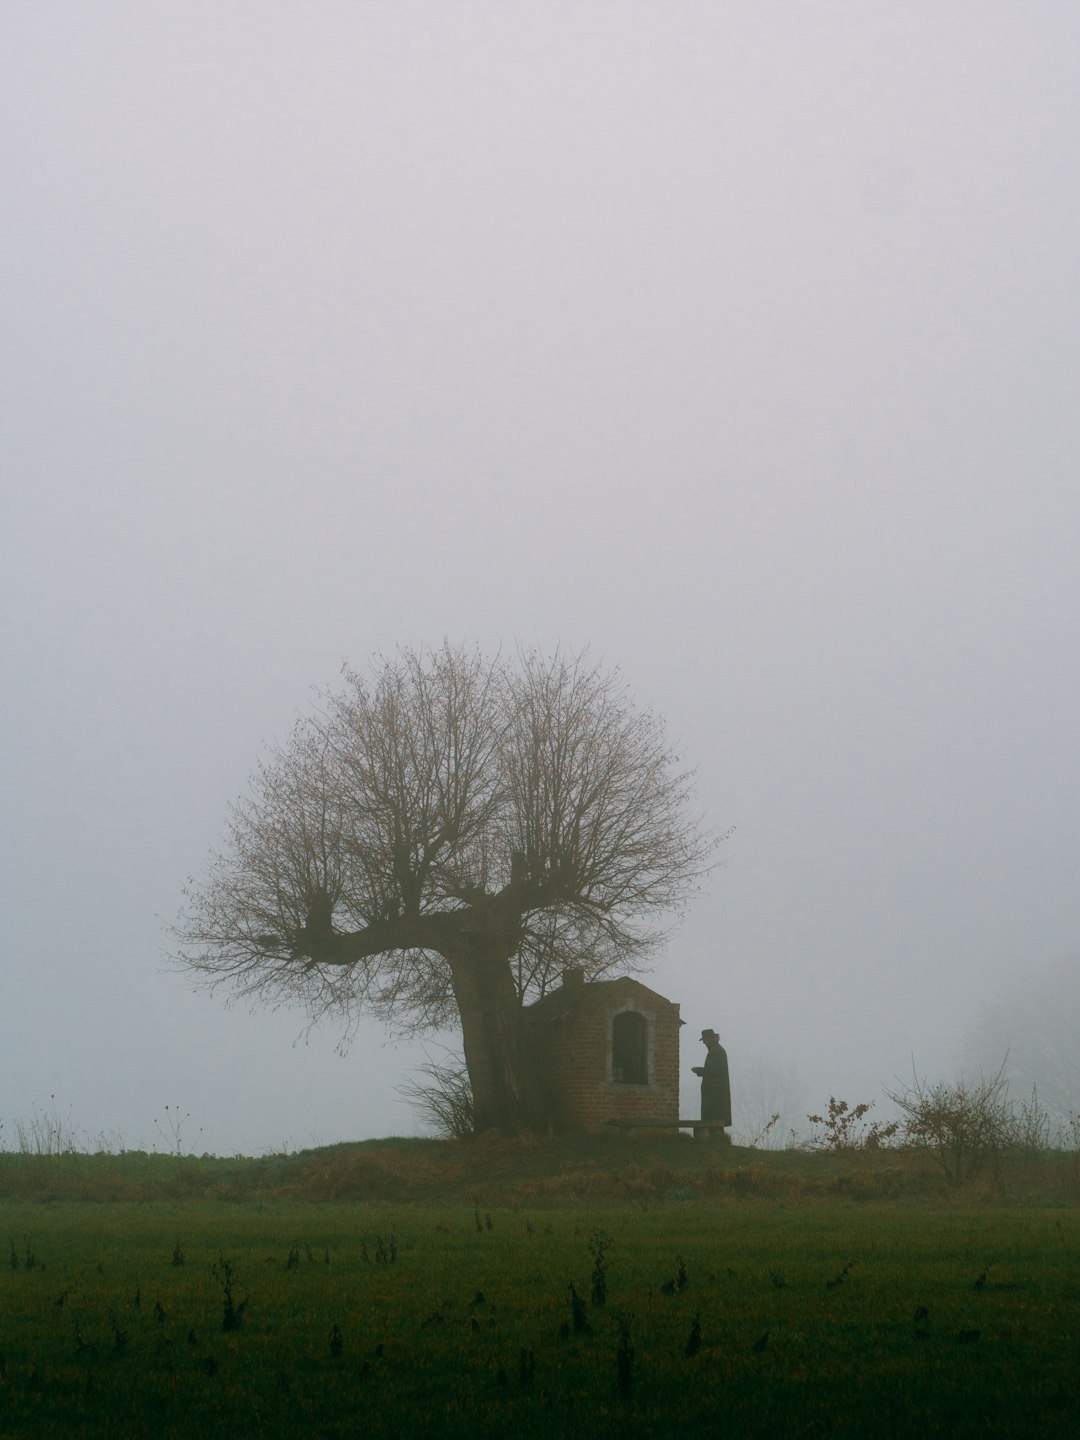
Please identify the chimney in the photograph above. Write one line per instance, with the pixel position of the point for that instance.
(573, 975)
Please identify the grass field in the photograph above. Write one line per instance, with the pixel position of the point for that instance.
(774, 1305)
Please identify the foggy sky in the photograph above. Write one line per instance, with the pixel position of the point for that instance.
(739, 342)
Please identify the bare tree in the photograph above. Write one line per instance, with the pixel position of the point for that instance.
(442, 837)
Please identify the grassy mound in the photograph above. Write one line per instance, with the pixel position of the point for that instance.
(615, 1170)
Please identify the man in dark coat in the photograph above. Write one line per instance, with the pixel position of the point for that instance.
(715, 1086)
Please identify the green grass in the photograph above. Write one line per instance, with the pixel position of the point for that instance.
(817, 1313)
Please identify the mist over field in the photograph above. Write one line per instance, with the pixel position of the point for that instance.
(739, 344)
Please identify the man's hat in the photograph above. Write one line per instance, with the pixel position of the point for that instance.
(709, 1035)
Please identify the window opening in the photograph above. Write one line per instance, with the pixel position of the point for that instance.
(629, 1061)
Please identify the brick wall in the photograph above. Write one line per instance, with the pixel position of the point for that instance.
(568, 1038)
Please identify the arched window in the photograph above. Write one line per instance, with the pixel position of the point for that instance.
(629, 1056)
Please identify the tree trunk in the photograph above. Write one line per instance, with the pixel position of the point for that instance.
(490, 1013)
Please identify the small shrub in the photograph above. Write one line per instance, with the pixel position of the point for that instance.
(1030, 1125)
(171, 1131)
(846, 1129)
(47, 1132)
(969, 1125)
(526, 1369)
(444, 1097)
(761, 1137)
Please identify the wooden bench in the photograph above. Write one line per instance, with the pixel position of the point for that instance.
(699, 1127)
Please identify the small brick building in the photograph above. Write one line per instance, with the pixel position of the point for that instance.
(603, 1050)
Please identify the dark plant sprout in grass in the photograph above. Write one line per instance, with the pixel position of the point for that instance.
(386, 1250)
(579, 1319)
(624, 1362)
(526, 1369)
(598, 1247)
(120, 1338)
(838, 1280)
(232, 1314)
(679, 1282)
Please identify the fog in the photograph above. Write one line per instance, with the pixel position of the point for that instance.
(740, 343)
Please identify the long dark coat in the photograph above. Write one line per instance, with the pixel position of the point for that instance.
(716, 1087)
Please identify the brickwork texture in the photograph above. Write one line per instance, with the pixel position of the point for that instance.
(571, 1049)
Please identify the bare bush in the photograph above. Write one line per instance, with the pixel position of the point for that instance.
(969, 1125)
(47, 1132)
(1031, 1125)
(444, 1097)
(847, 1129)
(1068, 1135)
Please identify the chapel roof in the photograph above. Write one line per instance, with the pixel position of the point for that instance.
(573, 994)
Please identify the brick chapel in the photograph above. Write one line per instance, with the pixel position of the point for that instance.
(602, 1051)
